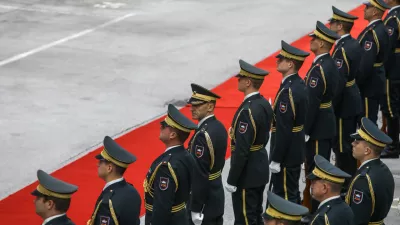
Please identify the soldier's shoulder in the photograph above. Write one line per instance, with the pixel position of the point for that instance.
(259, 104)
(214, 127)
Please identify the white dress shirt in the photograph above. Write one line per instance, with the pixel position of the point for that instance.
(341, 37)
(52, 218)
(319, 56)
(251, 94)
(204, 119)
(327, 200)
(171, 147)
(113, 182)
(373, 21)
(283, 80)
(365, 162)
(393, 8)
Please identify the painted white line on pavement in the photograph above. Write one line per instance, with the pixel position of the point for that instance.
(63, 40)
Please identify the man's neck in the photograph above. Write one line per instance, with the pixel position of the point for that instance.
(327, 196)
(208, 114)
(341, 33)
(320, 52)
(375, 18)
(51, 214)
(289, 72)
(111, 177)
(249, 91)
(368, 157)
(172, 143)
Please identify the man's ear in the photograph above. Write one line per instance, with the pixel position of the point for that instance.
(49, 204)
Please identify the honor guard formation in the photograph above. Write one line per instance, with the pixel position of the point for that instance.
(334, 108)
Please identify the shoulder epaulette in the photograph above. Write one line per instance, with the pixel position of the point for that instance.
(364, 171)
(204, 127)
(166, 158)
(107, 196)
(246, 105)
(324, 210)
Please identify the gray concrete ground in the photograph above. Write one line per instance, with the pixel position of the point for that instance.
(74, 71)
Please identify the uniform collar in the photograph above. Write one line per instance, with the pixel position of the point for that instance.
(319, 56)
(113, 182)
(327, 200)
(365, 162)
(343, 36)
(285, 78)
(251, 94)
(393, 8)
(373, 21)
(204, 119)
(169, 148)
(52, 218)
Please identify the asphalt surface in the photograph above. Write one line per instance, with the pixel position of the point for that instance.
(75, 71)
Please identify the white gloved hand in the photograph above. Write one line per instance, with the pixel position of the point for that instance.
(307, 137)
(275, 167)
(230, 188)
(197, 218)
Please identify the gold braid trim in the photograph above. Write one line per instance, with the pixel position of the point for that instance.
(210, 148)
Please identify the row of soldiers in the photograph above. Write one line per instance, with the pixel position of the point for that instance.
(308, 118)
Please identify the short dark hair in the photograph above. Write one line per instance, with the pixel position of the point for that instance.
(182, 136)
(335, 187)
(118, 170)
(256, 83)
(375, 149)
(61, 204)
(297, 64)
(346, 25)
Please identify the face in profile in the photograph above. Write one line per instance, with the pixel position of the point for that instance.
(199, 111)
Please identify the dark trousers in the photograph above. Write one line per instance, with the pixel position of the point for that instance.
(314, 147)
(342, 147)
(390, 106)
(214, 221)
(370, 107)
(286, 183)
(247, 206)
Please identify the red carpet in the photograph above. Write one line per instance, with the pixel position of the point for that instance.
(18, 208)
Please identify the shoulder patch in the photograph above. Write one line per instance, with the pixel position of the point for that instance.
(339, 63)
(367, 45)
(282, 107)
(357, 196)
(104, 220)
(313, 82)
(390, 30)
(243, 127)
(164, 182)
(199, 150)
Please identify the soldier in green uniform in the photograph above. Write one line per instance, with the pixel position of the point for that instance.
(391, 102)
(249, 133)
(287, 138)
(324, 84)
(119, 202)
(346, 54)
(168, 182)
(208, 146)
(374, 40)
(327, 181)
(53, 198)
(371, 191)
(283, 212)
